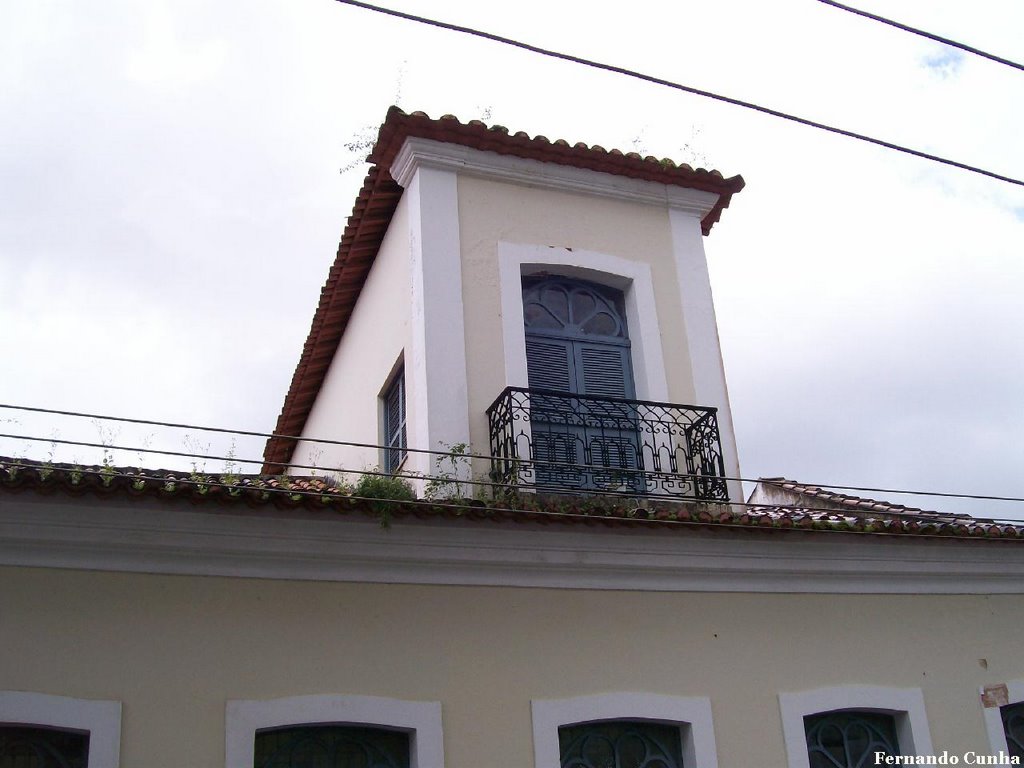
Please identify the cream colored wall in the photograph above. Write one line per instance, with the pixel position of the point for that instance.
(491, 212)
(173, 649)
(347, 407)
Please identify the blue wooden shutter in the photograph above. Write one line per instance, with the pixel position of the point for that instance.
(394, 423)
(603, 370)
(549, 364)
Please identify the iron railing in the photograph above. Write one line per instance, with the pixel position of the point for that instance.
(560, 442)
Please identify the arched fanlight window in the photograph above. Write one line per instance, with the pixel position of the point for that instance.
(27, 746)
(849, 739)
(331, 746)
(620, 744)
(573, 308)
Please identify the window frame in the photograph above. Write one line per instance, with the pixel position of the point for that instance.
(420, 719)
(906, 705)
(993, 717)
(100, 718)
(395, 385)
(692, 714)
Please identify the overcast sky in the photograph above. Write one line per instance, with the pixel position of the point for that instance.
(172, 196)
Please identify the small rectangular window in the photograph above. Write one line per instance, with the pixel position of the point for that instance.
(394, 423)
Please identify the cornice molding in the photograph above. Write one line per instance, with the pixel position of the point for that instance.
(159, 538)
(418, 153)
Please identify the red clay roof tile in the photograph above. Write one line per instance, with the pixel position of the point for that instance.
(319, 493)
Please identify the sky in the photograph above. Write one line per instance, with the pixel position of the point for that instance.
(175, 176)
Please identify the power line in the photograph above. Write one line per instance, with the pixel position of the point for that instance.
(680, 87)
(440, 453)
(922, 33)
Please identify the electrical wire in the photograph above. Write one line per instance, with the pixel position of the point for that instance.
(680, 87)
(490, 484)
(440, 453)
(922, 33)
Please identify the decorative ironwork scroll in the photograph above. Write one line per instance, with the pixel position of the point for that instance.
(331, 746)
(849, 739)
(27, 746)
(561, 442)
(620, 745)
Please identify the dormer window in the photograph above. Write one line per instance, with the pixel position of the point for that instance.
(494, 269)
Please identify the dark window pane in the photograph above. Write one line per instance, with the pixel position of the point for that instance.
(331, 746)
(1013, 727)
(849, 739)
(27, 746)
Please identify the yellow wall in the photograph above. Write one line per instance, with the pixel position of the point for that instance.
(491, 212)
(173, 649)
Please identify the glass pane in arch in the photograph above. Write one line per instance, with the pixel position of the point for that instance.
(620, 744)
(573, 308)
(331, 746)
(849, 739)
(29, 746)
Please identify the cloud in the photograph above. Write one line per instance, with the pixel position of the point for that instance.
(944, 61)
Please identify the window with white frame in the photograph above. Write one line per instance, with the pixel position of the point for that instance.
(631, 730)
(1004, 717)
(394, 422)
(43, 731)
(845, 726)
(334, 731)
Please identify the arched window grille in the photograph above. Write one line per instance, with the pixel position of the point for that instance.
(620, 744)
(27, 746)
(849, 739)
(331, 746)
(573, 308)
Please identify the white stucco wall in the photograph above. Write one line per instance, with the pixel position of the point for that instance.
(175, 649)
(378, 333)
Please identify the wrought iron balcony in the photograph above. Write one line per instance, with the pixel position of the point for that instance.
(560, 442)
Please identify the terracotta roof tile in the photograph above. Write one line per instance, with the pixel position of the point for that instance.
(375, 205)
(823, 497)
(321, 494)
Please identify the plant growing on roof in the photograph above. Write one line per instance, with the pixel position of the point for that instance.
(230, 475)
(449, 468)
(382, 489)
